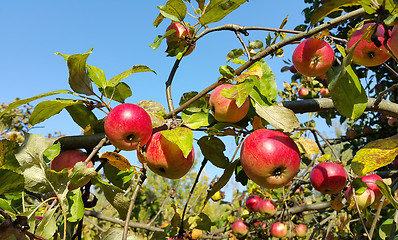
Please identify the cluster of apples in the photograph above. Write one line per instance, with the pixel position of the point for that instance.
(268, 209)
(177, 41)
(129, 126)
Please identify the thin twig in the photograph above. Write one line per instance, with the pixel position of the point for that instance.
(168, 84)
(133, 197)
(243, 44)
(161, 207)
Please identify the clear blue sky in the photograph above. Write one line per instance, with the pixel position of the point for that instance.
(120, 32)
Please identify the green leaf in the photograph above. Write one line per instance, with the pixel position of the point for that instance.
(5, 205)
(197, 106)
(174, 10)
(47, 109)
(385, 228)
(155, 110)
(8, 149)
(375, 155)
(278, 116)
(159, 19)
(359, 186)
(195, 120)
(239, 92)
(222, 181)
(80, 174)
(235, 53)
(135, 69)
(218, 9)
(11, 181)
(331, 6)
(81, 114)
(116, 177)
(181, 136)
(52, 152)
(267, 84)
(116, 233)
(256, 44)
(79, 80)
(213, 149)
(201, 221)
(96, 75)
(76, 205)
(118, 93)
(386, 191)
(227, 71)
(240, 175)
(48, 225)
(27, 100)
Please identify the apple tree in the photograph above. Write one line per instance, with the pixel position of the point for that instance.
(297, 183)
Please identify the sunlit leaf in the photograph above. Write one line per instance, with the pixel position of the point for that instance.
(155, 110)
(239, 92)
(117, 160)
(278, 116)
(96, 75)
(118, 93)
(218, 9)
(76, 206)
(196, 120)
(331, 6)
(135, 69)
(181, 136)
(47, 109)
(174, 10)
(227, 71)
(374, 155)
(307, 146)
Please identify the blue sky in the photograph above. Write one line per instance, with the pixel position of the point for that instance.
(120, 33)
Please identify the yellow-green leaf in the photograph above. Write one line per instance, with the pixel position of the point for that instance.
(375, 155)
(307, 146)
(117, 160)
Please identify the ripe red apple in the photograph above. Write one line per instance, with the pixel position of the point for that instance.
(270, 158)
(313, 57)
(278, 230)
(266, 207)
(239, 228)
(301, 230)
(303, 93)
(351, 134)
(127, 126)
(166, 159)
(252, 202)
(324, 92)
(178, 39)
(328, 177)
(68, 159)
(370, 181)
(224, 109)
(364, 199)
(367, 53)
(292, 69)
(394, 41)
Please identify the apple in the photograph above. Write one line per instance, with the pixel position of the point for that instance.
(303, 93)
(178, 39)
(224, 109)
(313, 57)
(394, 41)
(292, 69)
(367, 53)
(328, 177)
(166, 159)
(239, 228)
(278, 230)
(364, 199)
(252, 202)
(367, 130)
(262, 225)
(270, 158)
(324, 92)
(351, 134)
(68, 159)
(266, 207)
(392, 122)
(128, 126)
(196, 233)
(301, 230)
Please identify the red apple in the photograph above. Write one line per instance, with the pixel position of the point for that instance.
(278, 230)
(364, 199)
(313, 57)
(367, 130)
(324, 92)
(127, 126)
(303, 93)
(392, 122)
(328, 177)
(292, 69)
(351, 134)
(370, 181)
(224, 109)
(367, 53)
(177, 41)
(394, 41)
(301, 230)
(270, 158)
(252, 202)
(266, 207)
(263, 225)
(68, 159)
(166, 159)
(239, 228)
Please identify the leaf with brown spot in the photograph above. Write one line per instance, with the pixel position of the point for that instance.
(307, 146)
(375, 155)
(117, 160)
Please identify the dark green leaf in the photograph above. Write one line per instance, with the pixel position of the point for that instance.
(81, 114)
(386, 191)
(135, 69)
(227, 71)
(174, 10)
(27, 100)
(76, 206)
(8, 149)
(198, 105)
(359, 186)
(115, 176)
(235, 53)
(159, 19)
(118, 93)
(213, 149)
(385, 228)
(181, 136)
(47, 109)
(48, 225)
(201, 4)
(79, 80)
(218, 9)
(5, 205)
(155, 110)
(240, 175)
(11, 181)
